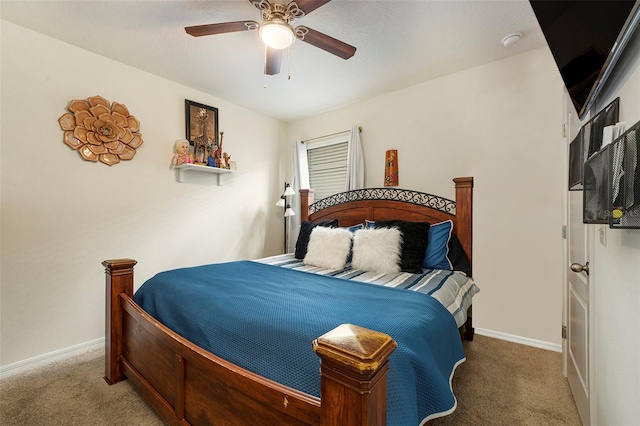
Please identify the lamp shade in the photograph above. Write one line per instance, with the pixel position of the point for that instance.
(276, 34)
(280, 202)
(289, 212)
(289, 191)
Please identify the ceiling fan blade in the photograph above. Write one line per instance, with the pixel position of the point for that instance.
(225, 27)
(308, 6)
(273, 58)
(325, 42)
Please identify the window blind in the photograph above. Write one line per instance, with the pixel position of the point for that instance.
(328, 169)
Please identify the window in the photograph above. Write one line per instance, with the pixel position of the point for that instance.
(328, 166)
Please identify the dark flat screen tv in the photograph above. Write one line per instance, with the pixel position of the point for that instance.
(586, 38)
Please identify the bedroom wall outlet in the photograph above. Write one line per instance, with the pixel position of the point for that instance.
(602, 231)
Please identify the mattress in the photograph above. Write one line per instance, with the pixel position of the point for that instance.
(453, 289)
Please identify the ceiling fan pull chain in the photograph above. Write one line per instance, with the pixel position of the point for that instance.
(264, 76)
(289, 62)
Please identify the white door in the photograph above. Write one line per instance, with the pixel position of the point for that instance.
(579, 341)
(579, 297)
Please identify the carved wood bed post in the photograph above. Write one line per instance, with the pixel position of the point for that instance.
(119, 276)
(306, 199)
(353, 382)
(464, 214)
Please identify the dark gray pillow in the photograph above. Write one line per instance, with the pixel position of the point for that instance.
(414, 242)
(457, 256)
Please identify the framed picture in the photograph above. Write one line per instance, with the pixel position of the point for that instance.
(202, 129)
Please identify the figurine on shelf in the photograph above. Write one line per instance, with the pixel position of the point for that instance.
(182, 155)
(211, 161)
(225, 160)
(217, 154)
(202, 142)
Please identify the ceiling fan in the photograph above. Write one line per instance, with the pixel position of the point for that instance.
(276, 30)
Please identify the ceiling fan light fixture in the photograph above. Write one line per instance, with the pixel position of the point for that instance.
(276, 34)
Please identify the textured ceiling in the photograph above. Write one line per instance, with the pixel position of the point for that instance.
(400, 43)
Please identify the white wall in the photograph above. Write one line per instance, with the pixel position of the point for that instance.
(61, 216)
(617, 280)
(501, 124)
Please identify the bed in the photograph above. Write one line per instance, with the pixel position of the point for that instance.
(257, 377)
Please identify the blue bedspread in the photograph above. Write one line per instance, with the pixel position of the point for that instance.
(264, 318)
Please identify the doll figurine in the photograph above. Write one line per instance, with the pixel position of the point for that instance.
(182, 153)
(217, 154)
(225, 160)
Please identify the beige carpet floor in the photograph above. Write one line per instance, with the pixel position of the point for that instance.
(501, 383)
(72, 392)
(504, 383)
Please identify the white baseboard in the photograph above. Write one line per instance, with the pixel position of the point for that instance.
(518, 339)
(61, 354)
(40, 360)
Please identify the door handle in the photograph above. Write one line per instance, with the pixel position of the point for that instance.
(576, 267)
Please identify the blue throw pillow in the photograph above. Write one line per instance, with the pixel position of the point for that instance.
(438, 246)
(353, 230)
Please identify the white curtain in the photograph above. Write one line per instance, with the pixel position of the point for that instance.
(355, 161)
(299, 180)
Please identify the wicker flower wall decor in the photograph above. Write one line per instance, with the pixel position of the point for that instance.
(101, 130)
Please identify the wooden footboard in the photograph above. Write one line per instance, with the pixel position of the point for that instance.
(189, 386)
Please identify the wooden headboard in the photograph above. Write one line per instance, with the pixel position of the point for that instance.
(353, 207)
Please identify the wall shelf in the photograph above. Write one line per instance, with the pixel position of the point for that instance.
(204, 169)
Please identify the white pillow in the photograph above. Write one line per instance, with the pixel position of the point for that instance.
(328, 247)
(377, 250)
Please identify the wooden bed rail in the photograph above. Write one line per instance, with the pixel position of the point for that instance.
(189, 386)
